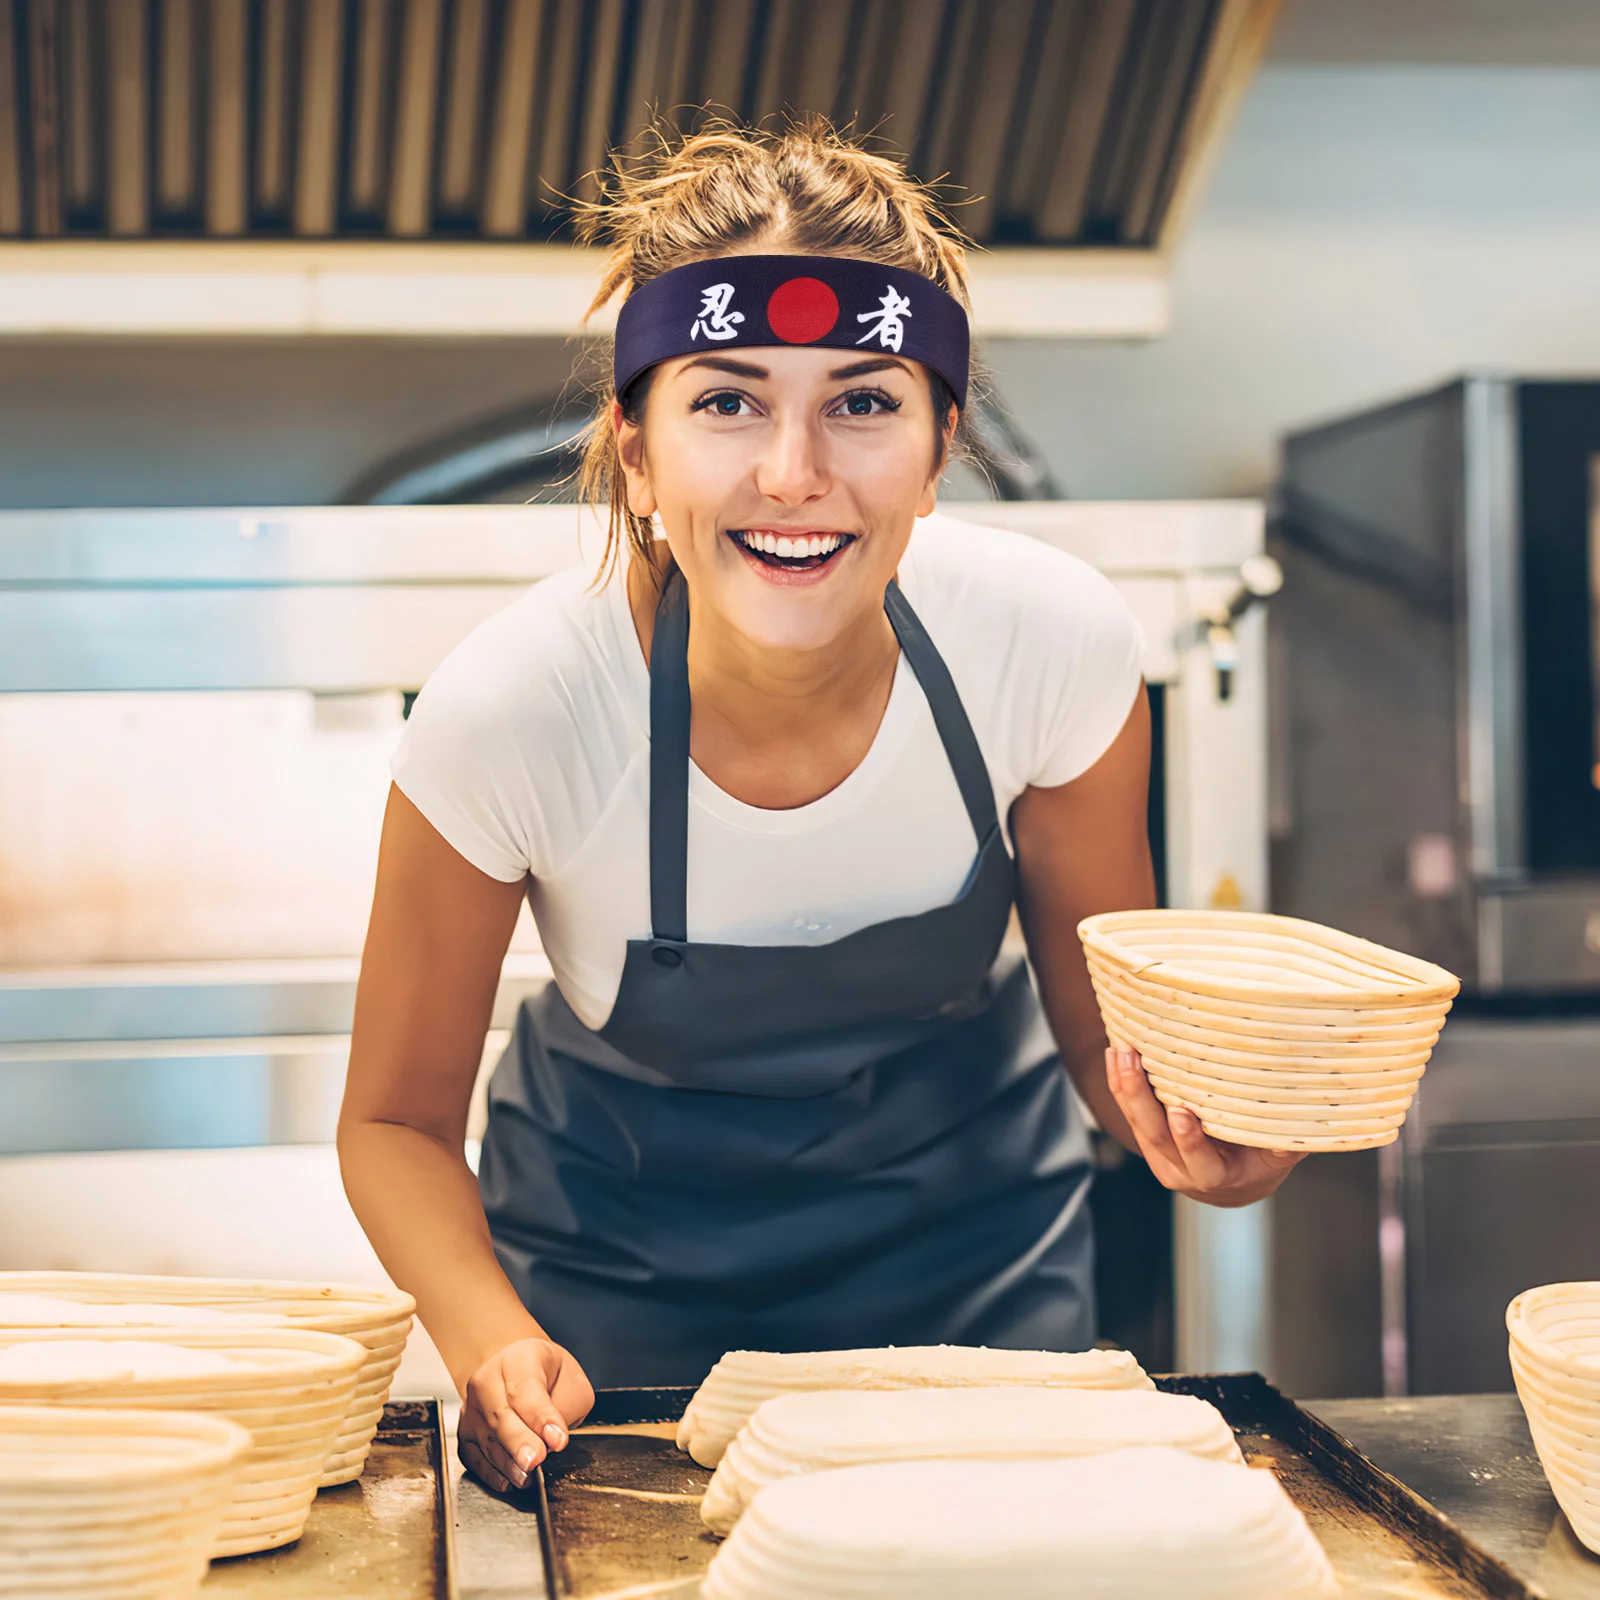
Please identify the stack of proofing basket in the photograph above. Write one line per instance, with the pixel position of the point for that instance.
(112, 1505)
(311, 1369)
(1274, 1032)
(1555, 1358)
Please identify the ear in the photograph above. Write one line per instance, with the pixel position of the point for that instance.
(631, 460)
(930, 490)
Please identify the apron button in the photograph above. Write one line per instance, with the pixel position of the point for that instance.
(665, 956)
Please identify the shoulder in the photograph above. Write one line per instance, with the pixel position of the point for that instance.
(967, 573)
(541, 657)
(536, 698)
(1045, 652)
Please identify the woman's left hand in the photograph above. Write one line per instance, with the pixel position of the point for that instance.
(1181, 1154)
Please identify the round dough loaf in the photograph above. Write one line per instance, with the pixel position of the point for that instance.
(742, 1379)
(813, 1432)
(1151, 1524)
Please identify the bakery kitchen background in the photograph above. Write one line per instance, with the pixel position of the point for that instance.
(1288, 319)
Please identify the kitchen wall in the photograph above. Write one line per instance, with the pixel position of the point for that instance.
(1370, 229)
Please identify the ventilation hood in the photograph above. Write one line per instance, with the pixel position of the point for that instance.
(1073, 132)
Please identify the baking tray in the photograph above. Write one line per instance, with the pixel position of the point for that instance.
(387, 1536)
(619, 1514)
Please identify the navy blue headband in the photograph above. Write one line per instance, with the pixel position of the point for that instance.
(744, 302)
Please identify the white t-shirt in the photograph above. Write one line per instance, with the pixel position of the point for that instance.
(528, 750)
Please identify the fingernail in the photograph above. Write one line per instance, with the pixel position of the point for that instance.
(519, 1477)
(525, 1458)
(555, 1436)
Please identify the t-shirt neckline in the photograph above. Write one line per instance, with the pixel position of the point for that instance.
(900, 717)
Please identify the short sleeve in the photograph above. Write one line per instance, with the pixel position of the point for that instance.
(451, 766)
(1090, 656)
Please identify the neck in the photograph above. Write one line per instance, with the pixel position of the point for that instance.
(763, 699)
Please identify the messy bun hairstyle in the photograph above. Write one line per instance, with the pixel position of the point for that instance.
(731, 189)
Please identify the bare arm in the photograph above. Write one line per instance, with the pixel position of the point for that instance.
(435, 944)
(1083, 848)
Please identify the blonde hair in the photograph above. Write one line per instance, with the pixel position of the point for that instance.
(803, 188)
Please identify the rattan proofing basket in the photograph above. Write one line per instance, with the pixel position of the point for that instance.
(112, 1505)
(1555, 1359)
(1275, 1032)
(292, 1398)
(377, 1319)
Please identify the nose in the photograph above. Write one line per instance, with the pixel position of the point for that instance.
(793, 469)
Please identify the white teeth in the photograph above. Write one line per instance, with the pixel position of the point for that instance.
(787, 548)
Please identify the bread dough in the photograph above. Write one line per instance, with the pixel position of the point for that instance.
(812, 1432)
(1149, 1524)
(48, 1311)
(108, 1361)
(742, 1379)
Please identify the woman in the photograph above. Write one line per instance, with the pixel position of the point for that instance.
(785, 1091)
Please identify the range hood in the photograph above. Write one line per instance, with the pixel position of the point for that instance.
(1055, 122)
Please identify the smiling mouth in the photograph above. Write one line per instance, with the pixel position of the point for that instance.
(792, 552)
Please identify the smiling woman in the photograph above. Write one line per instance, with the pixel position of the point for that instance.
(772, 790)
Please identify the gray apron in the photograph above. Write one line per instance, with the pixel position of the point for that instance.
(865, 1142)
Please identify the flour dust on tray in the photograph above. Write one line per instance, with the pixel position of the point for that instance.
(742, 1379)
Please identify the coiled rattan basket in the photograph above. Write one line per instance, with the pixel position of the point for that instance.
(1555, 1359)
(112, 1505)
(377, 1319)
(289, 1387)
(1275, 1032)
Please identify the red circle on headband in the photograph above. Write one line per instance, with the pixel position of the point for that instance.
(802, 310)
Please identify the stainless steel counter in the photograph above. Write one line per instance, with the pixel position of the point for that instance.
(1471, 1457)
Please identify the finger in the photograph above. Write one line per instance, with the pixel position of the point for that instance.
(485, 1440)
(532, 1421)
(473, 1459)
(572, 1393)
(503, 1437)
(1147, 1117)
(1207, 1165)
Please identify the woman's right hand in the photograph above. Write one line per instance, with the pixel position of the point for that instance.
(517, 1408)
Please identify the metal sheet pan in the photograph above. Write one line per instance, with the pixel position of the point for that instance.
(620, 1513)
(387, 1536)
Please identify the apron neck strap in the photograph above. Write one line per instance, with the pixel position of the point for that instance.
(669, 745)
(949, 715)
(669, 764)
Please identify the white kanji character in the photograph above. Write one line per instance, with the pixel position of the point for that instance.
(716, 321)
(890, 320)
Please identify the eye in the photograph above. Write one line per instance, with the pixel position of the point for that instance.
(867, 403)
(722, 403)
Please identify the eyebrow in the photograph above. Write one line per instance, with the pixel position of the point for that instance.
(859, 369)
(748, 369)
(738, 369)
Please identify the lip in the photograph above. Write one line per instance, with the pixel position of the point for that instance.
(792, 578)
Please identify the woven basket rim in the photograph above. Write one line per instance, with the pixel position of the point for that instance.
(365, 1307)
(317, 1360)
(216, 1443)
(1414, 981)
(1362, 1021)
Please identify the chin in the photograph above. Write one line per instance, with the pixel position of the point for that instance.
(774, 618)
